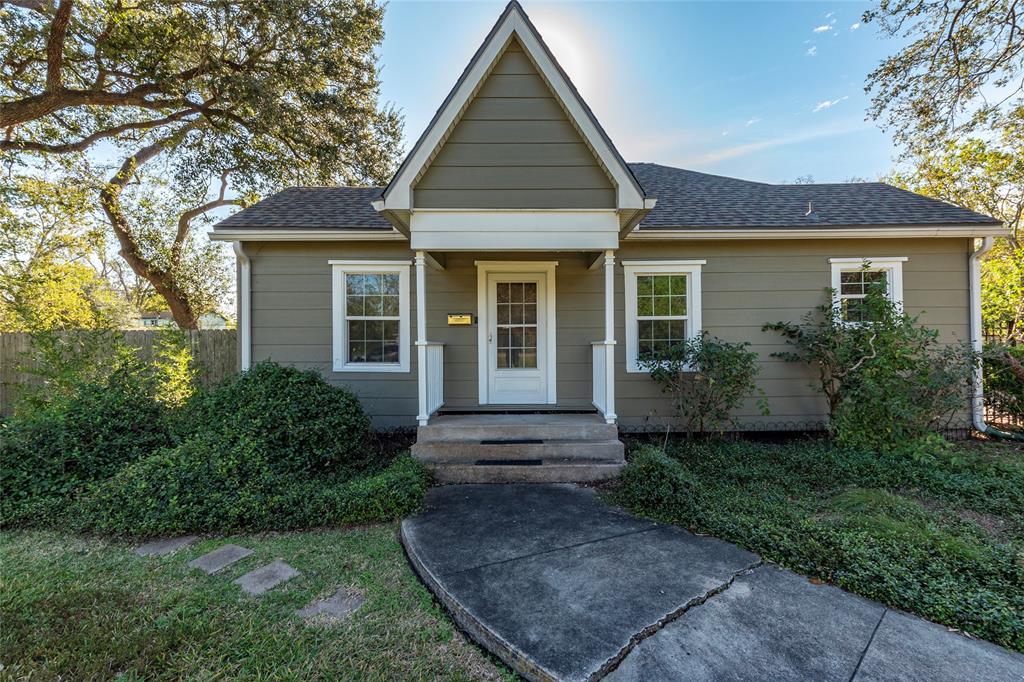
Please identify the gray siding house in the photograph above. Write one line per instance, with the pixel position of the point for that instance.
(516, 264)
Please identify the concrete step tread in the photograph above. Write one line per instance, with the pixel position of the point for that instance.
(447, 451)
(547, 473)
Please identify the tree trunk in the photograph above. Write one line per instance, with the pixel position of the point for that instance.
(163, 280)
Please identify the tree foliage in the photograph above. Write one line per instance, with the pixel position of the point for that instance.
(960, 70)
(984, 175)
(197, 105)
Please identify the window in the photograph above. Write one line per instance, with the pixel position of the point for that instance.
(852, 277)
(370, 306)
(663, 306)
(516, 325)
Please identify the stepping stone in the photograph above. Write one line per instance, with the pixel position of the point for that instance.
(337, 608)
(165, 546)
(266, 578)
(220, 558)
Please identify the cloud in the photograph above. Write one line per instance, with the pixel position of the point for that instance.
(830, 15)
(828, 104)
(822, 28)
(752, 121)
(854, 27)
(727, 153)
(812, 51)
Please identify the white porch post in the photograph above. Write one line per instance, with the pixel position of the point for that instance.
(421, 335)
(609, 335)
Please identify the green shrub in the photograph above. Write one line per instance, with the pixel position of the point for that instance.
(304, 424)
(885, 526)
(707, 379)
(205, 485)
(87, 433)
(888, 381)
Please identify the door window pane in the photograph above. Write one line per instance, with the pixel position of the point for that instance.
(516, 321)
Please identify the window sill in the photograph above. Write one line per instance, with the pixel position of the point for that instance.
(368, 367)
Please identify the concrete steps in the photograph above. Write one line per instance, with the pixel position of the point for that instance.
(520, 448)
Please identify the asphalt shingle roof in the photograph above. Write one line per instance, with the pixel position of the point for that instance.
(311, 208)
(685, 199)
(690, 199)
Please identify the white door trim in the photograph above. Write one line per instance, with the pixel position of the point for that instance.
(483, 268)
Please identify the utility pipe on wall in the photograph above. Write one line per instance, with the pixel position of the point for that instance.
(244, 306)
(978, 344)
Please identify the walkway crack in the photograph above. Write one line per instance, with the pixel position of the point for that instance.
(553, 549)
(867, 646)
(612, 663)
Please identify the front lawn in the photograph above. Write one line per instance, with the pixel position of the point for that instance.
(84, 608)
(938, 535)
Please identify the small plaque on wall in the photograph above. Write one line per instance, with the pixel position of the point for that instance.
(460, 319)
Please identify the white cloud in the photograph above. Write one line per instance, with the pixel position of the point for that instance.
(830, 15)
(812, 51)
(752, 121)
(724, 133)
(828, 104)
(727, 153)
(822, 28)
(854, 27)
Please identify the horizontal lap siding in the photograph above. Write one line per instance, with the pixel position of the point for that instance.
(291, 320)
(514, 147)
(745, 285)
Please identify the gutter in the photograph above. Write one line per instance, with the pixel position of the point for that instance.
(244, 306)
(977, 343)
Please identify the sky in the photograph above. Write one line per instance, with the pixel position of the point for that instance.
(766, 91)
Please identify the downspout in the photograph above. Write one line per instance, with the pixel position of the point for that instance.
(244, 306)
(977, 342)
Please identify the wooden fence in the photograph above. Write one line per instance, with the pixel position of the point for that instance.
(215, 351)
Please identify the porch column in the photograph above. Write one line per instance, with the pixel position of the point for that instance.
(609, 335)
(421, 335)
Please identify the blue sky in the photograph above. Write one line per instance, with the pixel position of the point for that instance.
(766, 91)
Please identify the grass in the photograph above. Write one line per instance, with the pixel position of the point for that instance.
(941, 536)
(83, 608)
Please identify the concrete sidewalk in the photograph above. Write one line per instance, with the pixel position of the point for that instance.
(563, 587)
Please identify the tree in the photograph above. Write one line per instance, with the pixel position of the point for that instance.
(985, 176)
(46, 281)
(960, 70)
(201, 104)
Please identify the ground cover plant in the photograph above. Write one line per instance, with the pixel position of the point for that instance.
(942, 537)
(138, 450)
(88, 608)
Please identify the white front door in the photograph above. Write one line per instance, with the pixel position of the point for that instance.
(517, 338)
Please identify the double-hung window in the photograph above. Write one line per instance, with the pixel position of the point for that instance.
(852, 278)
(370, 310)
(663, 307)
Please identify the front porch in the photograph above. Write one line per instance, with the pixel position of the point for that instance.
(535, 332)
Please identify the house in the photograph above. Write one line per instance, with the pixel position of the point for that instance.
(500, 289)
(150, 319)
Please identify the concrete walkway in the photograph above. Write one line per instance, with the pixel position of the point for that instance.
(563, 587)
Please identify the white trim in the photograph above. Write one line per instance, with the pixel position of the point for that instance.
(521, 230)
(398, 196)
(339, 235)
(892, 266)
(244, 306)
(694, 303)
(609, 337)
(421, 336)
(866, 232)
(485, 267)
(340, 330)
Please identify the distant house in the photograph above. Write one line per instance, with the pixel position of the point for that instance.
(163, 318)
(517, 264)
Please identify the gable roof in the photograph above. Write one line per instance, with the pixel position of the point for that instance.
(691, 199)
(513, 22)
(311, 208)
(687, 199)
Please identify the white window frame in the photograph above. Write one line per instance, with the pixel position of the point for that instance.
(892, 266)
(339, 268)
(638, 268)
